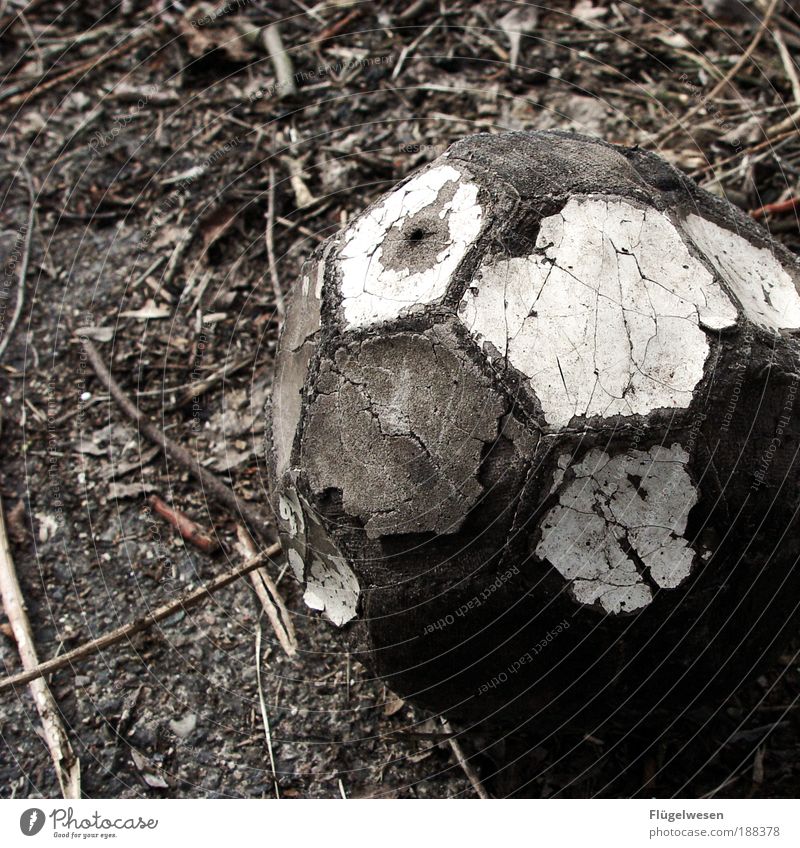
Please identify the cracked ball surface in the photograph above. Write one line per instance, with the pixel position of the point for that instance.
(504, 389)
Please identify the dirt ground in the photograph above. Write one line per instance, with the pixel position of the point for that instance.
(167, 163)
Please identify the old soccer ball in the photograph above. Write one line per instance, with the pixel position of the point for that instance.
(533, 440)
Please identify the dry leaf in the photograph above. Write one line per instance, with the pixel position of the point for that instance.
(183, 727)
(169, 235)
(515, 24)
(217, 223)
(758, 767)
(302, 193)
(15, 521)
(99, 334)
(117, 491)
(586, 11)
(674, 39)
(227, 459)
(48, 526)
(84, 446)
(149, 312)
(148, 771)
(212, 34)
(393, 704)
(120, 469)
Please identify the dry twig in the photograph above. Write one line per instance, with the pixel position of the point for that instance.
(747, 151)
(91, 64)
(336, 28)
(470, 772)
(284, 75)
(190, 530)
(775, 208)
(264, 714)
(183, 603)
(195, 390)
(8, 20)
(794, 81)
(270, 598)
(176, 257)
(68, 766)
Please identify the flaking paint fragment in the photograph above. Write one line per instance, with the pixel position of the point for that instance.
(332, 588)
(604, 317)
(290, 511)
(616, 533)
(331, 585)
(296, 564)
(372, 290)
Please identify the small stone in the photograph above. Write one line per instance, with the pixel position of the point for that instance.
(183, 727)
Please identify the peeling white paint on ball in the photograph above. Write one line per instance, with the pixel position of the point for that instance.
(372, 292)
(617, 531)
(766, 290)
(296, 564)
(332, 587)
(290, 511)
(605, 316)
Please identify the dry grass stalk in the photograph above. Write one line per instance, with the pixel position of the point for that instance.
(68, 766)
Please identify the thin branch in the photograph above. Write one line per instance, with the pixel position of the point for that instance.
(776, 208)
(332, 31)
(788, 64)
(794, 81)
(68, 766)
(281, 62)
(190, 530)
(470, 772)
(264, 714)
(194, 390)
(183, 603)
(176, 257)
(7, 21)
(23, 265)
(747, 151)
(211, 484)
(271, 600)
